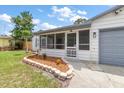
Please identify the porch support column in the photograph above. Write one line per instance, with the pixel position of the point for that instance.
(77, 43)
(54, 41)
(65, 44)
(46, 41)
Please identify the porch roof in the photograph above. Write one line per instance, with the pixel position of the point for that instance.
(64, 28)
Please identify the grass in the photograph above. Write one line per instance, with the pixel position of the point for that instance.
(14, 73)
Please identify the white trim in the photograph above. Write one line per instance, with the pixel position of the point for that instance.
(66, 31)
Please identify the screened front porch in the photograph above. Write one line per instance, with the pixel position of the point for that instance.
(65, 44)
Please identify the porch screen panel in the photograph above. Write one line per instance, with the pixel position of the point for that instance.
(60, 41)
(84, 40)
(50, 41)
(43, 41)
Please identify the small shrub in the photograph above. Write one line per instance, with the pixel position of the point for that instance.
(44, 56)
(58, 61)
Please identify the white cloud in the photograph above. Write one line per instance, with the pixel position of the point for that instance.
(35, 21)
(40, 10)
(51, 15)
(63, 12)
(6, 28)
(82, 12)
(67, 14)
(5, 17)
(74, 18)
(10, 25)
(7, 33)
(61, 19)
(45, 26)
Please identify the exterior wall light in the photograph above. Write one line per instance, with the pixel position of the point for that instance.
(94, 34)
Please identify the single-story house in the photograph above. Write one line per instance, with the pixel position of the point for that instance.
(4, 42)
(99, 40)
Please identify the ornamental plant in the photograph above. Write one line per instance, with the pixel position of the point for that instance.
(58, 61)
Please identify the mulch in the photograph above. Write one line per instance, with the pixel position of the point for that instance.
(50, 61)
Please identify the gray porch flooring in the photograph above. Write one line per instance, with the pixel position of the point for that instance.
(87, 74)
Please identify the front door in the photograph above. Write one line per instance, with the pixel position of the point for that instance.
(71, 44)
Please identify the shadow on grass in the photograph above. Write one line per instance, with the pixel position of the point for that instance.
(17, 54)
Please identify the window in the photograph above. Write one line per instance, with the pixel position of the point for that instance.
(50, 41)
(84, 40)
(43, 41)
(60, 41)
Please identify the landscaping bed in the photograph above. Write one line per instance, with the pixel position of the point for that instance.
(51, 61)
(58, 67)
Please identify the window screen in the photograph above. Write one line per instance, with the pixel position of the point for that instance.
(84, 40)
(60, 41)
(50, 41)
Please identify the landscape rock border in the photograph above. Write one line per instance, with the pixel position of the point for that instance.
(57, 73)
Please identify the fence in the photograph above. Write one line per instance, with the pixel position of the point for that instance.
(29, 45)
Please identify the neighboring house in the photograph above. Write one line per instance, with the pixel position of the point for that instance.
(99, 40)
(4, 42)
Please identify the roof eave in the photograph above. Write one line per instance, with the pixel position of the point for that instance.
(71, 27)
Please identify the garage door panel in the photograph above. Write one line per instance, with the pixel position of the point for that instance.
(115, 36)
(113, 42)
(116, 33)
(114, 57)
(111, 61)
(112, 47)
(117, 51)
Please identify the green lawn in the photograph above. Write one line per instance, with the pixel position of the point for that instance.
(14, 73)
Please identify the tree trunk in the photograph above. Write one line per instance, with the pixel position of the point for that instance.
(26, 44)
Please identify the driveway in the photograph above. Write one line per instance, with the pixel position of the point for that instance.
(87, 74)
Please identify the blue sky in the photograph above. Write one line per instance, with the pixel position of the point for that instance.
(48, 16)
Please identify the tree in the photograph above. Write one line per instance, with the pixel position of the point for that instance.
(23, 26)
(80, 21)
(22, 22)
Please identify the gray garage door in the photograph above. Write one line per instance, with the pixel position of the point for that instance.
(112, 46)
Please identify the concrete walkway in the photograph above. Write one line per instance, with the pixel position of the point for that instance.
(91, 75)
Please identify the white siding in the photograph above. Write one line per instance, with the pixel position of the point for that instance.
(84, 55)
(107, 21)
(54, 52)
